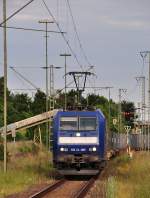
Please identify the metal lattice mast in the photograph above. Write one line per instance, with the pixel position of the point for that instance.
(143, 98)
(37, 136)
(51, 87)
(120, 109)
(144, 54)
(142, 80)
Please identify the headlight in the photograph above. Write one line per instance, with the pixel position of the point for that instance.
(61, 149)
(94, 148)
(78, 134)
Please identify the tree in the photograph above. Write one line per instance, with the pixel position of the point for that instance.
(39, 103)
(2, 101)
(94, 100)
(21, 104)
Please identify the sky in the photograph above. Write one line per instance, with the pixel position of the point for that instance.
(112, 33)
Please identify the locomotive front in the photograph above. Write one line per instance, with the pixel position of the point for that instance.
(79, 142)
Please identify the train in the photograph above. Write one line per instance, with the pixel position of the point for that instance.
(79, 141)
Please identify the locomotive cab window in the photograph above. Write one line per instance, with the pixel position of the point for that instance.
(68, 123)
(87, 123)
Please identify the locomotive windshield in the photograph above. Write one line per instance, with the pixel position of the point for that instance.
(68, 123)
(78, 123)
(87, 124)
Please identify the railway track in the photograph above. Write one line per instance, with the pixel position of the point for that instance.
(48, 189)
(85, 188)
(66, 188)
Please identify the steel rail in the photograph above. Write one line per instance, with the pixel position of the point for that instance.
(85, 187)
(48, 189)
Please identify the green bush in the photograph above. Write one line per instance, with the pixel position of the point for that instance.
(31, 148)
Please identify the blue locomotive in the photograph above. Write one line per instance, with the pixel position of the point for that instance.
(79, 142)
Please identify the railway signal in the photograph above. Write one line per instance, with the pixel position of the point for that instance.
(129, 118)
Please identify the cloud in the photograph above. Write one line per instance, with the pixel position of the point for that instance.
(125, 23)
(27, 17)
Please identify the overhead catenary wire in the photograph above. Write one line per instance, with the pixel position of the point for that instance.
(31, 29)
(21, 89)
(62, 33)
(78, 38)
(28, 67)
(16, 12)
(65, 39)
(24, 78)
(77, 34)
(31, 67)
(21, 80)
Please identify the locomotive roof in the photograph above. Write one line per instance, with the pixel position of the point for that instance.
(83, 112)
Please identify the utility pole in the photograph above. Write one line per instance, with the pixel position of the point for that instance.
(46, 22)
(5, 86)
(65, 55)
(119, 109)
(52, 67)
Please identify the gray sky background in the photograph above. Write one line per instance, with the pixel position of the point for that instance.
(112, 32)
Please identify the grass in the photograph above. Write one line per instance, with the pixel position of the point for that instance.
(111, 187)
(125, 178)
(25, 168)
(132, 177)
